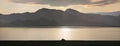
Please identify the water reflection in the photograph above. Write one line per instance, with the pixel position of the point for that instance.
(65, 33)
(105, 33)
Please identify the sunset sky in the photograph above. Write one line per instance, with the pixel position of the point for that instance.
(86, 6)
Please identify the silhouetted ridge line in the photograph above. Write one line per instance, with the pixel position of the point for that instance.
(53, 17)
(116, 13)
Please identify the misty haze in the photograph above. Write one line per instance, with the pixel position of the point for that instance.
(52, 24)
(58, 19)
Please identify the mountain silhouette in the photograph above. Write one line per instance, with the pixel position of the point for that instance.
(53, 17)
(116, 13)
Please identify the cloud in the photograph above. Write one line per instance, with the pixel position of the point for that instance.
(67, 2)
(105, 2)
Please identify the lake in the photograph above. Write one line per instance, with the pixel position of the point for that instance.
(79, 33)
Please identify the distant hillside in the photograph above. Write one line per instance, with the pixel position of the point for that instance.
(117, 13)
(53, 17)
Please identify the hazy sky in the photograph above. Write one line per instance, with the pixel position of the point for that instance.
(87, 6)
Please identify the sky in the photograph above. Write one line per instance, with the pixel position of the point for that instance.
(85, 6)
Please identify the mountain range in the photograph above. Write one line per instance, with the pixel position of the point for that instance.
(117, 13)
(53, 17)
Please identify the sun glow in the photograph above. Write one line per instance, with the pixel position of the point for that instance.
(65, 29)
(65, 33)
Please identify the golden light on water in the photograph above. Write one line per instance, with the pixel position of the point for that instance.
(65, 33)
(65, 29)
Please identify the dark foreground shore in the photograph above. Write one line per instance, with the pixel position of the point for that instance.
(60, 43)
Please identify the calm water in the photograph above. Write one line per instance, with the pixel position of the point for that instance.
(91, 33)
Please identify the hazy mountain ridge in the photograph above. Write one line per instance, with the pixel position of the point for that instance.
(53, 17)
(117, 13)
